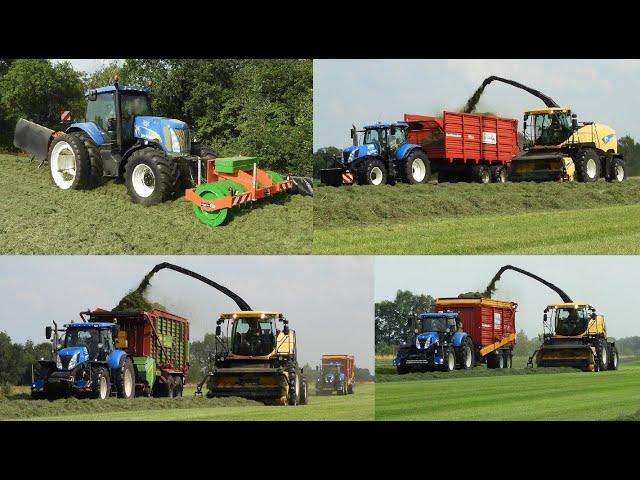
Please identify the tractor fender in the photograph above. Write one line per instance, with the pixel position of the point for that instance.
(115, 358)
(90, 129)
(404, 150)
(457, 338)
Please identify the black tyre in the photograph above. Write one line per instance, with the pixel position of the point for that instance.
(100, 383)
(96, 176)
(449, 360)
(372, 172)
(125, 379)
(588, 166)
(294, 391)
(480, 174)
(69, 162)
(402, 369)
(499, 174)
(613, 358)
(603, 355)
(169, 387)
(618, 171)
(443, 177)
(350, 389)
(417, 168)
(464, 354)
(178, 386)
(508, 360)
(150, 177)
(304, 394)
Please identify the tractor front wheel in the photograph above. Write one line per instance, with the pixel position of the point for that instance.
(372, 172)
(449, 360)
(151, 177)
(100, 383)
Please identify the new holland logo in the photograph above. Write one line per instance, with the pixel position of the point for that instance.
(608, 138)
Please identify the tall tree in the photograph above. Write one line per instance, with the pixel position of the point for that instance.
(391, 316)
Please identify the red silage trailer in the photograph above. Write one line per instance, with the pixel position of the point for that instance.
(466, 146)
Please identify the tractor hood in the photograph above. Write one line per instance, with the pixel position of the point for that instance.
(353, 153)
(173, 135)
(426, 339)
(70, 357)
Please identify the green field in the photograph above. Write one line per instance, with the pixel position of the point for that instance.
(18, 406)
(463, 218)
(520, 394)
(38, 218)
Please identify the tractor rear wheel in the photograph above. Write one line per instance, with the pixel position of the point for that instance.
(69, 162)
(449, 360)
(151, 177)
(417, 168)
(100, 383)
(372, 172)
(588, 166)
(499, 174)
(480, 174)
(95, 159)
(613, 358)
(465, 354)
(618, 172)
(125, 379)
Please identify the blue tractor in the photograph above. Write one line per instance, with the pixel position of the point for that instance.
(437, 343)
(384, 157)
(87, 364)
(119, 138)
(331, 377)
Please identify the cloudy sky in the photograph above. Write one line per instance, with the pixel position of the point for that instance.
(366, 91)
(608, 283)
(328, 300)
(86, 64)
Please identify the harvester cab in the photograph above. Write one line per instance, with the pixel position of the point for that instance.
(437, 342)
(256, 358)
(384, 157)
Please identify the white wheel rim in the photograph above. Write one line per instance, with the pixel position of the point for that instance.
(604, 356)
(297, 389)
(467, 360)
(418, 170)
(103, 387)
(485, 177)
(376, 176)
(452, 362)
(591, 168)
(503, 176)
(501, 361)
(128, 383)
(619, 173)
(615, 359)
(143, 180)
(63, 165)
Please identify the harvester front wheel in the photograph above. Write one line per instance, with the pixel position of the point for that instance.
(417, 168)
(69, 162)
(294, 393)
(100, 383)
(304, 396)
(613, 358)
(125, 379)
(211, 191)
(372, 172)
(480, 174)
(603, 355)
(151, 177)
(588, 166)
(618, 173)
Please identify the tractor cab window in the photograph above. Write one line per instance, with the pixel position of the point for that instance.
(396, 137)
(335, 369)
(552, 128)
(571, 321)
(252, 337)
(378, 136)
(83, 337)
(133, 105)
(99, 111)
(106, 339)
(435, 324)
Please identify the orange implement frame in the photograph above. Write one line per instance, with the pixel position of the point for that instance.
(257, 183)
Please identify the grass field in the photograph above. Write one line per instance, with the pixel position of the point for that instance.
(462, 218)
(18, 406)
(38, 218)
(540, 394)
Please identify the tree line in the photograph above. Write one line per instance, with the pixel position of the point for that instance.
(392, 327)
(261, 108)
(16, 360)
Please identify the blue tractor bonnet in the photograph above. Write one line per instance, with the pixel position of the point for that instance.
(386, 125)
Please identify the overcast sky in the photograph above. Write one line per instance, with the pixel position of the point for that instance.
(609, 283)
(86, 64)
(367, 91)
(328, 300)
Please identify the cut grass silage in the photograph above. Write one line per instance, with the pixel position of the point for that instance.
(135, 299)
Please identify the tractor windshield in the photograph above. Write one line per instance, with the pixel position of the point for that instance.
(327, 368)
(550, 128)
(435, 324)
(570, 321)
(375, 135)
(253, 337)
(95, 340)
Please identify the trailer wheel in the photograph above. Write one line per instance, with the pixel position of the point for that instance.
(417, 168)
(613, 358)
(169, 387)
(588, 166)
(603, 355)
(178, 386)
(69, 162)
(465, 354)
(150, 177)
(500, 360)
(618, 172)
(508, 360)
(480, 174)
(449, 360)
(350, 389)
(499, 174)
(100, 383)
(125, 379)
(372, 172)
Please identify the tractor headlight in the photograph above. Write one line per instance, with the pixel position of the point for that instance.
(175, 143)
(58, 362)
(73, 362)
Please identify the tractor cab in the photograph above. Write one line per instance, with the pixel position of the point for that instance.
(83, 342)
(380, 139)
(548, 127)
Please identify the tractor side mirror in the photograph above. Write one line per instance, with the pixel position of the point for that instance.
(47, 332)
(574, 120)
(93, 96)
(594, 315)
(218, 331)
(545, 319)
(115, 330)
(285, 330)
(392, 130)
(354, 135)
(111, 124)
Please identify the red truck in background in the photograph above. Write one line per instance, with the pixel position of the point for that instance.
(336, 373)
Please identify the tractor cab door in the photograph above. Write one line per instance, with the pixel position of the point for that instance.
(397, 138)
(99, 111)
(132, 104)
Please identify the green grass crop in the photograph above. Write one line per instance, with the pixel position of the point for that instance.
(18, 405)
(38, 218)
(570, 395)
(462, 218)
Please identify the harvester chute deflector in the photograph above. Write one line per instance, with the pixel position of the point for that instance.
(565, 298)
(548, 101)
(32, 138)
